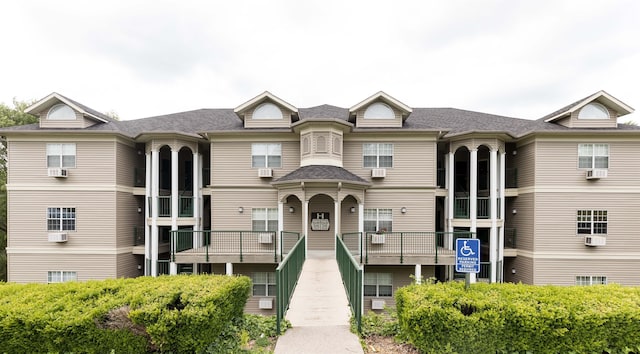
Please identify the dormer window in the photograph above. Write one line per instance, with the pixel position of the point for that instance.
(379, 110)
(61, 112)
(593, 111)
(267, 111)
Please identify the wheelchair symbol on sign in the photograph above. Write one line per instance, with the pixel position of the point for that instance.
(466, 251)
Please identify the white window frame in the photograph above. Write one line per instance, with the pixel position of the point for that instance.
(266, 111)
(383, 218)
(268, 216)
(61, 276)
(63, 215)
(377, 150)
(61, 150)
(594, 111)
(588, 280)
(596, 152)
(54, 112)
(595, 218)
(378, 280)
(264, 280)
(379, 110)
(266, 150)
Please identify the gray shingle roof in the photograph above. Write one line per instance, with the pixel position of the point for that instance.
(319, 173)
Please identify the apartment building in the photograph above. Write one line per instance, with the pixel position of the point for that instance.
(230, 191)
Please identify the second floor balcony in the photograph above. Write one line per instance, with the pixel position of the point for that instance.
(185, 206)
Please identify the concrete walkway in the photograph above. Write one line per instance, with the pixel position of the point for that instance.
(319, 311)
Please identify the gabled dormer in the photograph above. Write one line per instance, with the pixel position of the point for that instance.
(379, 111)
(57, 111)
(600, 110)
(266, 111)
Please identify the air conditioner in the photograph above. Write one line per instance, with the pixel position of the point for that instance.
(377, 239)
(57, 237)
(378, 173)
(265, 173)
(595, 240)
(57, 172)
(377, 304)
(265, 304)
(265, 238)
(597, 173)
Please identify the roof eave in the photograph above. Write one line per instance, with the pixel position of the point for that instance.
(243, 107)
(406, 110)
(63, 99)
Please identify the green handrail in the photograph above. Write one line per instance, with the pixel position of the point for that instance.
(352, 274)
(287, 275)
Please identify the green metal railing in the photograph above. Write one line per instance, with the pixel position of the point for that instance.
(461, 207)
(288, 240)
(287, 275)
(402, 244)
(483, 208)
(163, 266)
(485, 270)
(164, 206)
(185, 206)
(352, 276)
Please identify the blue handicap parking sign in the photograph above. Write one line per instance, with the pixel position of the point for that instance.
(467, 255)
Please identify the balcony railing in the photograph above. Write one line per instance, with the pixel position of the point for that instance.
(163, 266)
(402, 244)
(461, 207)
(483, 208)
(185, 207)
(287, 275)
(209, 243)
(164, 206)
(352, 277)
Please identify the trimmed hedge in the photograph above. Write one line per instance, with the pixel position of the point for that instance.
(508, 318)
(165, 314)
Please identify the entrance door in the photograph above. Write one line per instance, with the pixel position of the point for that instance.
(321, 216)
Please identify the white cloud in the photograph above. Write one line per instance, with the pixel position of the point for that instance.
(145, 58)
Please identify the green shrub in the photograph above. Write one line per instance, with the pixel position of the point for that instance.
(507, 318)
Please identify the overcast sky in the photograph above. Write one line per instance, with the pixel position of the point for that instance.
(144, 58)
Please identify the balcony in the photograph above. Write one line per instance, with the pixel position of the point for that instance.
(189, 246)
(185, 206)
(404, 247)
(461, 209)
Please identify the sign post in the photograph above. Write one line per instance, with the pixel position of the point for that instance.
(467, 258)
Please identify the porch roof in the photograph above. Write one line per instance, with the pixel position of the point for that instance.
(321, 173)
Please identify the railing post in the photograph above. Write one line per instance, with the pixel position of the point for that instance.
(275, 246)
(401, 248)
(435, 243)
(240, 246)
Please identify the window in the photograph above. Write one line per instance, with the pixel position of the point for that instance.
(377, 155)
(61, 112)
(59, 276)
(61, 219)
(591, 280)
(264, 219)
(593, 155)
(264, 283)
(266, 155)
(267, 111)
(61, 155)
(378, 220)
(593, 111)
(379, 110)
(378, 284)
(592, 222)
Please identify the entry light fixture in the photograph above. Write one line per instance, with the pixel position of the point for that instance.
(240, 210)
(139, 210)
(513, 271)
(352, 210)
(514, 211)
(403, 210)
(292, 210)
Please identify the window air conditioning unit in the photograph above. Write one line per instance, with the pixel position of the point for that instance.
(377, 304)
(57, 172)
(596, 173)
(595, 240)
(265, 303)
(378, 173)
(265, 173)
(265, 238)
(57, 237)
(377, 239)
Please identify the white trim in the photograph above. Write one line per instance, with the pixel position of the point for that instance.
(560, 255)
(57, 96)
(386, 98)
(618, 105)
(258, 99)
(75, 250)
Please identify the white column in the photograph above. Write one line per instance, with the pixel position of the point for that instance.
(228, 268)
(305, 224)
(195, 184)
(155, 175)
(450, 192)
(501, 211)
(278, 239)
(336, 221)
(146, 204)
(173, 268)
(201, 184)
(493, 213)
(418, 273)
(473, 196)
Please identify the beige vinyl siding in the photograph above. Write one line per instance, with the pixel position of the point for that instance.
(402, 276)
(285, 122)
(127, 218)
(574, 122)
(414, 163)
(127, 161)
(95, 219)
(252, 304)
(224, 208)
(349, 220)
(231, 163)
(556, 222)
(524, 221)
(127, 265)
(524, 270)
(378, 123)
(293, 221)
(525, 163)
(79, 122)
(95, 163)
(564, 271)
(420, 206)
(34, 267)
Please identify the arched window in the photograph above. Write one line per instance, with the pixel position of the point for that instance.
(593, 111)
(379, 110)
(61, 112)
(267, 111)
